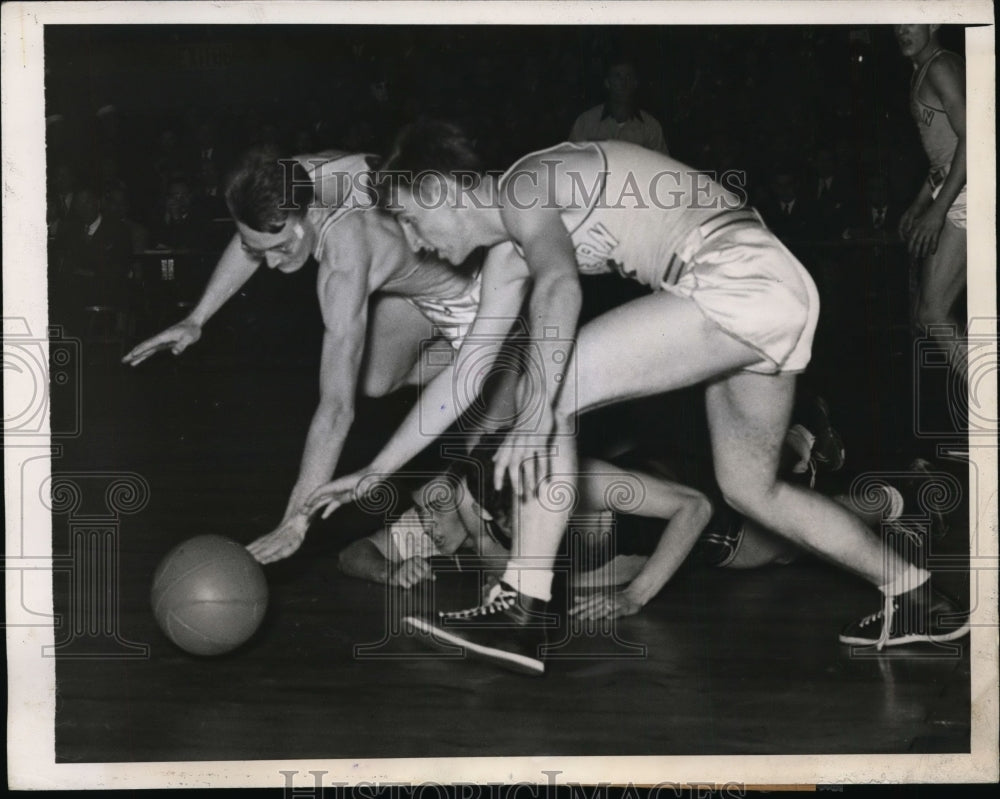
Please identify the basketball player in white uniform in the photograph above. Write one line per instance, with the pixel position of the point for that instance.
(360, 251)
(729, 307)
(934, 225)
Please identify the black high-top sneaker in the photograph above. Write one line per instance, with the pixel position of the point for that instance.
(508, 629)
(921, 615)
(719, 543)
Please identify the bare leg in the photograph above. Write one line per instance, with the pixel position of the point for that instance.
(760, 547)
(941, 282)
(748, 415)
(676, 347)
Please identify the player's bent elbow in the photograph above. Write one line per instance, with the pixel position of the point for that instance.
(559, 289)
(699, 510)
(363, 560)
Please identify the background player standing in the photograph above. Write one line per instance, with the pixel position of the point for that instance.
(933, 227)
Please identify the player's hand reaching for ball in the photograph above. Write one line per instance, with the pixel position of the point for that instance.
(176, 339)
(282, 542)
(332, 495)
(410, 572)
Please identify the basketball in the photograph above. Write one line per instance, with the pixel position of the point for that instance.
(209, 595)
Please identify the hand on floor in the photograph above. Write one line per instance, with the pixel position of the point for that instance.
(604, 605)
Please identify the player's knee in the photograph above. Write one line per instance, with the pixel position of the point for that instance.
(700, 508)
(748, 497)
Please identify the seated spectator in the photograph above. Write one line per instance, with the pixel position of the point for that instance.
(61, 192)
(168, 158)
(109, 175)
(786, 212)
(876, 218)
(206, 143)
(829, 196)
(178, 226)
(620, 117)
(95, 258)
(208, 202)
(115, 206)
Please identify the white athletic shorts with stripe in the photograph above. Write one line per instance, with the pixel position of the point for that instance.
(453, 316)
(958, 213)
(747, 282)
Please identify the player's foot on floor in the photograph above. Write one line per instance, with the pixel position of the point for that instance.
(508, 629)
(828, 450)
(923, 615)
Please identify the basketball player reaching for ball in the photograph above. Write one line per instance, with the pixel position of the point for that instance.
(934, 226)
(322, 205)
(730, 308)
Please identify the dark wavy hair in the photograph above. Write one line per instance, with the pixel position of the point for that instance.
(267, 187)
(425, 148)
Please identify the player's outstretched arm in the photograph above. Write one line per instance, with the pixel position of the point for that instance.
(687, 513)
(553, 314)
(344, 302)
(235, 268)
(452, 391)
(376, 558)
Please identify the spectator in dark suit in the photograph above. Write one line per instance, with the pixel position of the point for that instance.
(786, 212)
(115, 206)
(207, 144)
(95, 254)
(61, 191)
(178, 226)
(876, 218)
(829, 197)
(208, 202)
(168, 158)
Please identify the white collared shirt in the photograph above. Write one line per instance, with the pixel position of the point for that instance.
(597, 124)
(92, 227)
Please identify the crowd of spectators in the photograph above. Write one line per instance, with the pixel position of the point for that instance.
(814, 118)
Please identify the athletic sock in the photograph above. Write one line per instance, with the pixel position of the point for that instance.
(894, 503)
(911, 577)
(526, 578)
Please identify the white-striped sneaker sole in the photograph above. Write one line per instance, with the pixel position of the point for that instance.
(915, 638)
(511, 660)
